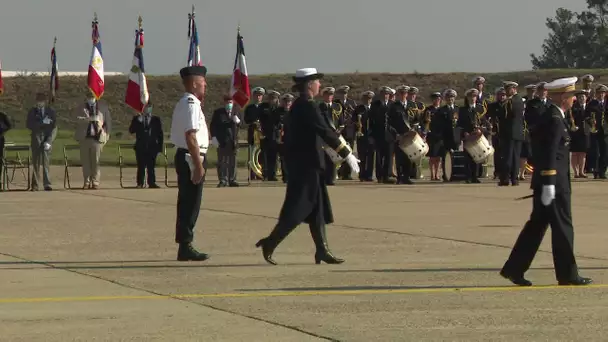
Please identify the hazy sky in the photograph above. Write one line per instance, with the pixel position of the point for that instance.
(336, 36)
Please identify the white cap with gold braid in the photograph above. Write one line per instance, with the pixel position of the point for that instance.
(562, 85)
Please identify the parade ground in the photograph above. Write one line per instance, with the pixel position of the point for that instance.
(422, 264)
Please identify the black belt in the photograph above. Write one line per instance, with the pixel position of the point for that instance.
(185, 150)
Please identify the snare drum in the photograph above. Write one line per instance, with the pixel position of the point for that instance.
(333, 155)
(454, 168)
(478, 148)
(413, 146)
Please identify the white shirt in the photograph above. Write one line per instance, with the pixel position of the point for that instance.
(561, 111)
(188, 115)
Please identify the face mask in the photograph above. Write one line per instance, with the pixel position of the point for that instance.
(229, 107)
(148, 110)
(91, 102)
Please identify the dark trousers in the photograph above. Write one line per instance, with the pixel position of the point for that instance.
(365, 152)
(600, 153)
(497, 156)
(345, 172)
(591, 161)
(558, 214)
(404, 165)
(384, 159)
(270, 152)
(330, 171)
(146, 162)
(283, 162)
(511, 150)
(472, 169)
(189, 198)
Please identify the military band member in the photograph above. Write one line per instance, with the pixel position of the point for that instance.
(149, 140)
(434, 126)
(333, 113)
(470, 121)
(306, 198)
(484, 97)
(286, 103)
(451, 131)
(384, 142)
(349, 121)
(365, 139)
(5, 126)
(579, 129)
(511, 134)
(552, 195)
(252, 119)
(191, 138)
(534, 108)
(412, 98)
(526, 149)
(596, 111)
(403, 117)
(591, 159)
(42, 122)
(271, 130)
(587, 84)
(224, 129)
(495, 111)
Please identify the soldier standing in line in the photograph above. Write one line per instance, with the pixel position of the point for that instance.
(224, 129)
(252, 119)
(282, 112)
(365, 140)
(42, 122)
(270, 128)
(349, 131)
(149, 141)
(511, 134)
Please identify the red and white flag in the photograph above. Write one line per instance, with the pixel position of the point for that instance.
(239, 87)
(137, 89)
(95, 78)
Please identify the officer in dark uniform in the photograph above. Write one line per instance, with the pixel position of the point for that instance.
(599, 146)
(282, 111)
(451, 131)
(333, 112)
(526, 150)
(148, 130)
(224, 129)
(5, 126)
(349, 120)
(365, 140)
(252, 119)
(470, 121)
(191, 138)
(511, 134)
(535, 107)
(483, 97)
(270, 123)
(307, 200)
(591, 158)
(495, 110)
(384, 142)
(580, 132)
(402, 116)
(552, 195)
(433, 126)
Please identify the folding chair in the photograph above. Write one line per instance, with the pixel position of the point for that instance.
(67, 165)
(121, 165)
(168, 184)
(16, 163)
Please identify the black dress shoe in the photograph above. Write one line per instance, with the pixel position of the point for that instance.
(516, 279)
(233, 185)
(187, 253)
(153, 186)
(266, 251)
(578, 281)
(222, 185)
(48, 188)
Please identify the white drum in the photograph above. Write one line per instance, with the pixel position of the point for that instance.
(333, 155)
(478, 148)
(414, 146)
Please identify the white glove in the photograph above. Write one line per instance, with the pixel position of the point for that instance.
(548, 194)
(140, 119)
(214, 142)
(236, 119)
(47, 146)
(353, 162)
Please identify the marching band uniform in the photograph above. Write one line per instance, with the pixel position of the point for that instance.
(591, 157)
(252, 117)
(470, 122)
(349, 130)
(149, 140)
(384, 141)
(552, 196)
(483, 98)
(597, 110)
(365, 142)
(416, 109)
(282, 112)
(5, 126)
(511, 135)
(335, 122)
(42, 122)
(401, 118)
(579, 129)
(434, 135)
(526, 148)
(534, 109)
(451, 132)
(307, 199)
(269, 120)
(188, 116)
(224, 129)
(92, 132)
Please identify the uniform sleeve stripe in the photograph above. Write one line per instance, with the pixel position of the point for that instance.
(339, 148)
(548, 173)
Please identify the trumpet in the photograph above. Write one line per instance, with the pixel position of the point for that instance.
(573, 126)
(593, 124)
(359, 126)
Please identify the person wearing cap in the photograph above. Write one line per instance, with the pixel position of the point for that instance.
(433, 128)
(5, 126)
(451, 131)
(149, 141)
(412, 95)
(483, 98)
(42, 123)
(224, 130)
(191, 138)
(365, 140)
(526, 149)
(511, 135)
(596, 112)
(587, 84)
(348, 119)
(333, 113)
(495, 110)
(282, 112)
(93, 129)
(270, 143)
(579, 133)
(252, 119)
(308, 132)
(402, 118)
(551, 195)
(384, 142)
(471, 120)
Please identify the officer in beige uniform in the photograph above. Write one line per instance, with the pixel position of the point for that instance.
(93, 130)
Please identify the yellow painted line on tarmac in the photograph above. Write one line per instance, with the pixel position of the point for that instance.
(263, 294)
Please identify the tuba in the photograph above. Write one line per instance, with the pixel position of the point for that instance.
(336, 112)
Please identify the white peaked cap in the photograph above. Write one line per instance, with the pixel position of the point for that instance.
(562, 85)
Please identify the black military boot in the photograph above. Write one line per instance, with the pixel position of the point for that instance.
(323, 253)
(270, 243)
(187, 253)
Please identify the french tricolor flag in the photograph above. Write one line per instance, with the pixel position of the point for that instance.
(95, 76)
(239, 86)
(137, 89)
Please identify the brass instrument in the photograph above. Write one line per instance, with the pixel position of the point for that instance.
(573, 127)
(359, 125)
(427, 122)
(258, 135)
(281, 132)
(454, 118)
(593, 124)
(336, 112)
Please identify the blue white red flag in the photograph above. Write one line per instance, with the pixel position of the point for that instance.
(194, 53)
(95, 77)
(239, 86)
(137, 89)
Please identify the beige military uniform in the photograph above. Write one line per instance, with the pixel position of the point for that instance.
(91, 147)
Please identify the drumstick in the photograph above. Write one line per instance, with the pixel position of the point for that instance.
(525, 197)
